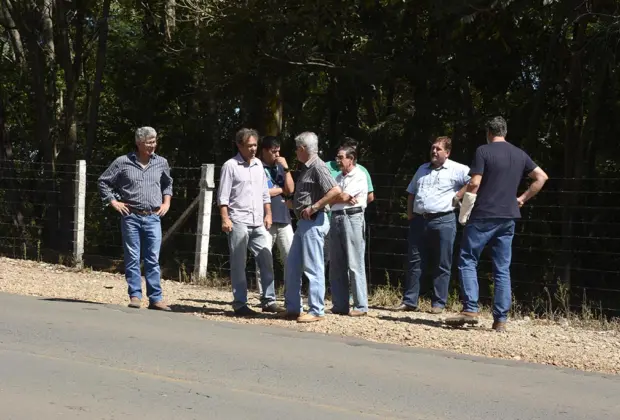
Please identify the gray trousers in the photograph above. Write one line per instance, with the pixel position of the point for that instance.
(258, 241)
(347, 265)
(282, 236)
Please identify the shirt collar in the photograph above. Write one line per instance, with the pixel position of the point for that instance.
(242, 161)
(134, 156)
(445, 165)
(311, 161)
(353, 171)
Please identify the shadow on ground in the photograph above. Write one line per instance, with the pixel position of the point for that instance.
(417, 321)
(71, 301)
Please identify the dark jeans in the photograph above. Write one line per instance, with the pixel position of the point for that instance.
(431, 243)
(498, 233)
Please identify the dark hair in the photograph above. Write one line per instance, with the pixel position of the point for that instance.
(244, 134)
(497, 127)
(269, 142)
(446, 141)
(350, 152)
(349, 142)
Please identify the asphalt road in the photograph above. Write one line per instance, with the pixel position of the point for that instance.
(73, 360)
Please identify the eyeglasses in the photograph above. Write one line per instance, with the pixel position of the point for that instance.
(340, 157)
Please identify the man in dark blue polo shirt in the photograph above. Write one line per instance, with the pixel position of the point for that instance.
(139, 186)
(496, 172)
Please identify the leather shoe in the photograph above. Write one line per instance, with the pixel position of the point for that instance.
(436, 310)
(306, 318)
(274, 308)
(245, 311)
(135, 303)
(406, 308)
(159, 306)
(289, 316)
(499, 326)
(356, 313)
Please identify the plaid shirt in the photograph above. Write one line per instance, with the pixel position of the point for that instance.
(141, 188)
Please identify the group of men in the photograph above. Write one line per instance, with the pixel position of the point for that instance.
(257, 192)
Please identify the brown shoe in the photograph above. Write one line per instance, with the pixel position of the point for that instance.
(405, 308)
(159, 306)
(135, 303)
(436, 310)
(499, 326)
(306, 318)
(470, 318)
(356, 313)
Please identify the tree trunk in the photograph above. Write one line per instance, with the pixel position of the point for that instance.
(273, 114)
(93, 111)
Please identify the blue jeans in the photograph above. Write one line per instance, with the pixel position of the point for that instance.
(431, 245)
(498, 233)
(142, 237)
(306, 257)
(258, 240)
(347, 266)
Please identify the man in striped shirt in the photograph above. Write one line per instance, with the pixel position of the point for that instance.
(139, 186)
(315, 189)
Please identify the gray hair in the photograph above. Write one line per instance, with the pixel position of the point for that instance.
(145, 133)
(309, 141)
(244, 135)
(497, 127)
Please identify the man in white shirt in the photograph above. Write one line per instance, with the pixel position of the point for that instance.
(433, 194)
(346, 239)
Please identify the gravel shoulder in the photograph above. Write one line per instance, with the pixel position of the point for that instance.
(535, 341)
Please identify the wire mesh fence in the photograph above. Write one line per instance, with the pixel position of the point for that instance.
(566, 245)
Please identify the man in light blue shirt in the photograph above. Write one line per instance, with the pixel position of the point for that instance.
(434, 192)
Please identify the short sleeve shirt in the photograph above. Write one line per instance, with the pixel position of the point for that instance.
(434, 188)
(313, 183)
(354, 183)
(334, 169)
(502, 166)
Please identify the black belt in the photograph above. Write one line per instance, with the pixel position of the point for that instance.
(350, 211)
(433, 215)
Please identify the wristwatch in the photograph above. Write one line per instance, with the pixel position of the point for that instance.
(314, 208)
(286, 169)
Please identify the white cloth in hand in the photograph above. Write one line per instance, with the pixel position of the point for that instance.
(466, 207)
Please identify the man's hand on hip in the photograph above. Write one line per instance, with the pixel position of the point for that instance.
(307, 213)
(120, 207)
(163, 209)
